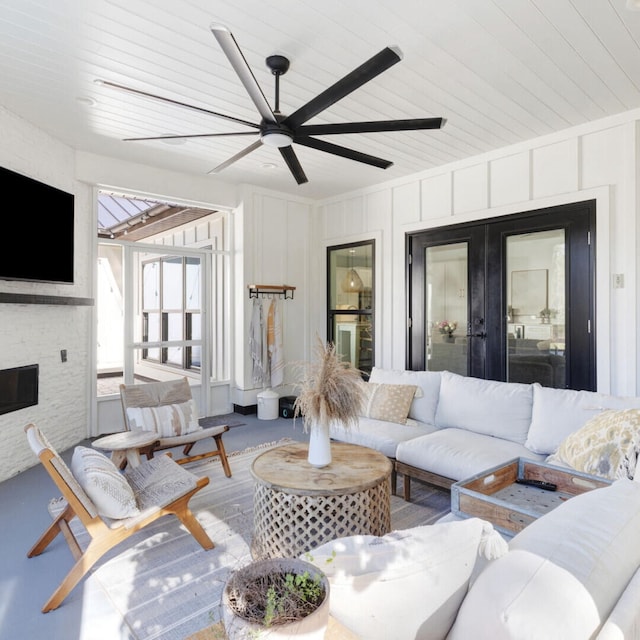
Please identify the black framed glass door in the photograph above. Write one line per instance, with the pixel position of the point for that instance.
(510, 298)
(351, 303)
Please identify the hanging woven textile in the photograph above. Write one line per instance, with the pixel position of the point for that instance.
(275, 345)
(256, 343)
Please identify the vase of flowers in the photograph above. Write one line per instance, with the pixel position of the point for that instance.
(330, 391)
(446, 328)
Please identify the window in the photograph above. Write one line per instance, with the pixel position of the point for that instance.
(171, 310)
(163, 293)
(350, 291)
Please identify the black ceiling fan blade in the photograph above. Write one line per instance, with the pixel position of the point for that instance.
(238, 156)
(293, 163)
(192, 135)
(414, 124)
(231, 49)
(352, 81)
(145, 94)
(337, 150)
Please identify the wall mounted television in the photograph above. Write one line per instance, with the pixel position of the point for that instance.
(41, 224)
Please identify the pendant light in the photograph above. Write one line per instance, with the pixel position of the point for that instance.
(352, 282)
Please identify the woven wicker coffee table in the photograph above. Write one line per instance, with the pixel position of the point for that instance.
(298, 507)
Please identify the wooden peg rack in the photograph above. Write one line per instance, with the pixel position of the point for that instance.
(268, 290)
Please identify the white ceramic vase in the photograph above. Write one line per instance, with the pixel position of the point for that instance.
(319, 446)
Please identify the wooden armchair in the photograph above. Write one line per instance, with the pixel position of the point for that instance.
(167, 407)
(159, 487)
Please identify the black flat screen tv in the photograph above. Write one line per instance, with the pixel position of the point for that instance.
(39, 224)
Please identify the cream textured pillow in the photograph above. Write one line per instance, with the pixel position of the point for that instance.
(390, 402)
(408, 583)
(103, 483)
(607, 445)
(167, 420)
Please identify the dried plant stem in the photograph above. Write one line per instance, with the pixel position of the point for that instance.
(330, 391)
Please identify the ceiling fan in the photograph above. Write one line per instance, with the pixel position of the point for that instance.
(278, 130)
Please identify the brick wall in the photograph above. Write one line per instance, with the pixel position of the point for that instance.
(34, 333)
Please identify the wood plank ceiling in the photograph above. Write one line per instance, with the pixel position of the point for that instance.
(500, 71)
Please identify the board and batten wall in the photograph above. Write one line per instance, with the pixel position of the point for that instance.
(595, 161)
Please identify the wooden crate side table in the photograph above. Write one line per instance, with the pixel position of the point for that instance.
(298, 507)
(494, 494)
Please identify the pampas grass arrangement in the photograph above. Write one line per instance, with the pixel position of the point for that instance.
(330, 391)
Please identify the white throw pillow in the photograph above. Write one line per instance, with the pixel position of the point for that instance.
(500, 409)
(558, 412)
(167, 420)
(407, 584)
(564, 572)
(424, 404)
(103, 483)
(608, 445)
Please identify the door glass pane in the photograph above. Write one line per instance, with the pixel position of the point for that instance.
(446, 300)
(153, 334)
(172, 283)
(536, 308)
(350, 289)
(192, 283)
(151, 285)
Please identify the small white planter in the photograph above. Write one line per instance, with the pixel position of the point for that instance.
(313, 627)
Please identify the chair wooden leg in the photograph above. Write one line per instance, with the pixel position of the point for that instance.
(95, 550)
(187, 448)
(223, 455)
(51, 532)
(195, 528)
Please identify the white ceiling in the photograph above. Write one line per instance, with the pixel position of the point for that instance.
(500, 71)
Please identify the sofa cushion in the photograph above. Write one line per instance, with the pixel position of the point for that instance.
(103, 483)
(406, 584)
(459, 454)
(624, 620)
(607, 445)
(167, 420)
(390, 402)
(558, 412)
(564, 572)
(501, 409)
(379, 434)
(423, 406)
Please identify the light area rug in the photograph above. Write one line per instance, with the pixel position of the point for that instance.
(166, 586)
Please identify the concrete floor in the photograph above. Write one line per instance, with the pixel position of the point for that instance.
(26, 583)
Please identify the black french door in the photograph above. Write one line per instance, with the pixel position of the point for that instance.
(510, 298)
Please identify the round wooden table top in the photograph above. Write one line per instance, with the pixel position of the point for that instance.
(353, 468)
(126, 440)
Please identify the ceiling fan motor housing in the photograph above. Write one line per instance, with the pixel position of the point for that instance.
(275, 134)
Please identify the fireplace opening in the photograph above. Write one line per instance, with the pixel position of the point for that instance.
(18, 388)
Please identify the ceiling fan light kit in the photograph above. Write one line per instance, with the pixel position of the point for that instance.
(283, 131)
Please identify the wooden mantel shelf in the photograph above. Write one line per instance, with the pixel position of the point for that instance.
(31, 298)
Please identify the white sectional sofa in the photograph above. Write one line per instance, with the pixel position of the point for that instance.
(459, 426)
(573, 574)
